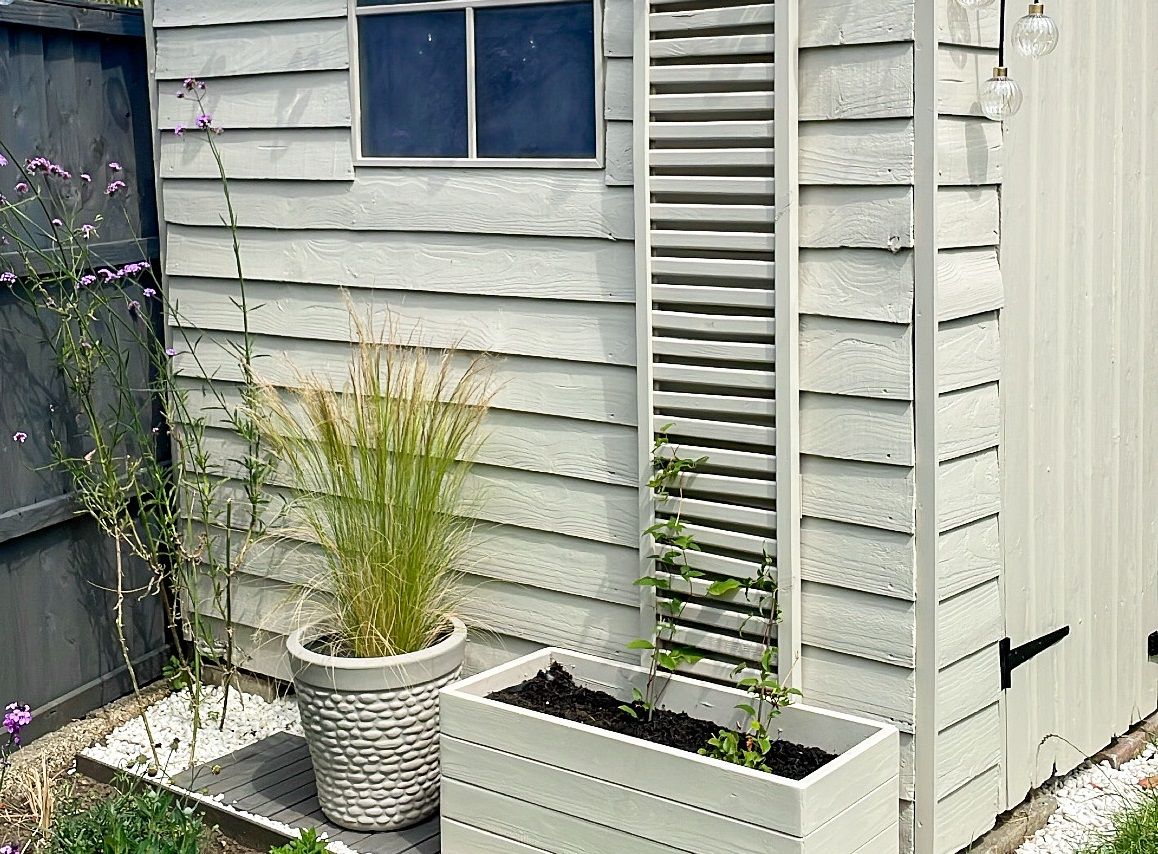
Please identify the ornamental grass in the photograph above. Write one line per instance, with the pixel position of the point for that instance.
(379, 470)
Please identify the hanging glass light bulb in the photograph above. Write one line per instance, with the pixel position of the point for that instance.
(974, 4)
(1000, 96)
(1036, 34)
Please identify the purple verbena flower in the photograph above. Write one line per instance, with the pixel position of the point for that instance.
(43, 164)
(88, 230)
(57, 223)
(148, 293)
(17, 716)
(22, 188)
(179, 129)
(204, 120)
(86, 280)
(8, 277)
(9, 849)
(134, 308)
(169, 351)
(116, 167)
(20, 437)
(112, 188)
(87, 178)
(3, 160)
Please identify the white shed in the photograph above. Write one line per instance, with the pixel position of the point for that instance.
(916, 350)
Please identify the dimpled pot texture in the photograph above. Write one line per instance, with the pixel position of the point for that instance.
(372, 729)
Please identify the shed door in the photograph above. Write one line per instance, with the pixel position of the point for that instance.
(710, 232)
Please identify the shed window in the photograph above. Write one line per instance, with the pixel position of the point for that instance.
(478, 80)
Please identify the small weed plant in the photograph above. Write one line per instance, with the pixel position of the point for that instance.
(307, 843)
(143, 821)
(1135, 831)
(750, 744)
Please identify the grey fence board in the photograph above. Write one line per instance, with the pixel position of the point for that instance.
(73, 88)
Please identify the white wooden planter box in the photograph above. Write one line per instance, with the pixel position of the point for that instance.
(515, 780)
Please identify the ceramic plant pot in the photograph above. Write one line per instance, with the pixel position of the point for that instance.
(520, 780)
(372, 729)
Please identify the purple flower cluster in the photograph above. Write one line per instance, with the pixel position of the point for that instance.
(43, 164)
(16, 717)
(114, 187)
(8, 277)
(9, 849)
(3, 160)
(87, 231)
(20, 437)
(22, 188)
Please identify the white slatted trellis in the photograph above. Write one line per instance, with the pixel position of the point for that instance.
(710, 233)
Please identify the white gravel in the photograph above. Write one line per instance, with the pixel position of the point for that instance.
(1088, 799)
(250, 719)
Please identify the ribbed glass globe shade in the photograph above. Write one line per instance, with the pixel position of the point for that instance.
(1036, 34)
(974, 4)
(1000, 96)
(6, 2)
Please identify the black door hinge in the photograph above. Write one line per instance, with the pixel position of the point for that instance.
(1015, 656)
(1152, 645)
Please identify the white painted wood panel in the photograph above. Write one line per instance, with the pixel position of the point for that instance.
(969, 488)
(968, 622)
(859, 685)
(856, 82)
(968, 151)
(968, 282)
(856, 428)
(867, 284)
(858, 623)
(864, 217)
(854, 357)
(968, 813)
(968, 556)
(870, 494)
(618, 83)
(315, 154)
(857, 557)
(968, 749)
(866, 151)
(177, 13)
(543, 267)
(542, 202)
(618, 147)
(307, 100)
(961, 71)
(967, 686)
(968, 352)
(970, 421)
(844, 22)
(252, 48)
(967, 216)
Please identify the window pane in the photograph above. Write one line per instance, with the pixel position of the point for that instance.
(535, 80)
(413, 79)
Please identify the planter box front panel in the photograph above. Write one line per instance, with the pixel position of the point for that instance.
(630, 795)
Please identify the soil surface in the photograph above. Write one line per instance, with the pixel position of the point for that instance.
(554, 692)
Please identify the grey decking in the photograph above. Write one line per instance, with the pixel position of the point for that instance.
(275, 779)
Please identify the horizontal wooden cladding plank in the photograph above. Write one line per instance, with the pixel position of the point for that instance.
(705, 428)
(719, 514)
(485, 650)
(843, 22)
(711, 102)
(715, 75)
(961, 72)
(547, 202)
(585, 391)
(881, 628)
(858, 685)
(859, 217)
(970, 812)
(679, 47)
(597, 332)
(864, 284)
(87, 19)
(713, 268)
(969, 151)
(675, 296)
(714, 328)
(856, 357)
(858, 557)
(968, 685)
(969, 282)
(253, 48)
(619, 162)
(177, 13)
(619, 90)
(618, 28)
(968, 420)
(969, 621)
(707, 214)
(587, 450)
(538, 267)
(711, 185)
(722, 131)
(968, 216)
(872, 81)
(719, 643)
(710, 19)
(857, 428)
(968, 352)
(301, 100)
(969, 488)
(969, 748)
(312, 154)
(707, 404)
(736, 487)
(534, 559)
(860, 152)
(717, 379)
(961, 26)
(869, 494)
(749, 462)
(968, 556)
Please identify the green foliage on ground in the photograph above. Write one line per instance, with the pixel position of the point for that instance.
(1135, 831)
(132, 822)
(307, 843)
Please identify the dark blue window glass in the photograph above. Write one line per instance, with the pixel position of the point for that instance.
(535, 80)
(413, 80)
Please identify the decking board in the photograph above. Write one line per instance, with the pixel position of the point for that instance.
(274, 778)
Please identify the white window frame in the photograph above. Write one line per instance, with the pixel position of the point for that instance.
(356, 12)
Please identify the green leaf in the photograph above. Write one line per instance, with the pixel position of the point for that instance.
(641, 644)
(724, 587)
(626, 709)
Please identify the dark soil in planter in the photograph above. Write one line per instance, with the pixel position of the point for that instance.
(554, 692)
